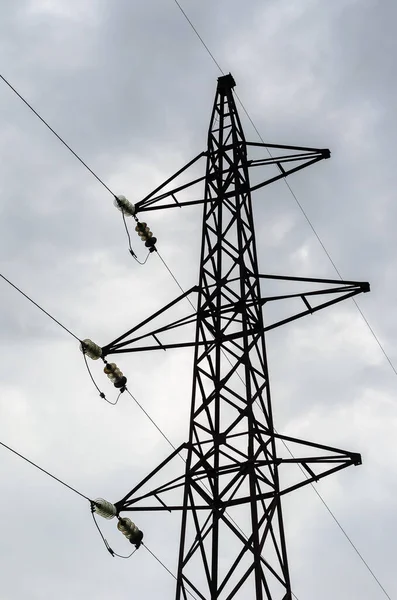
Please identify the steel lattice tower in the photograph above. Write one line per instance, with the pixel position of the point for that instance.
(233, 474)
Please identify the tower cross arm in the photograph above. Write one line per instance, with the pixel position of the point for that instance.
(312, 303)
(293, 159)
(343, 290)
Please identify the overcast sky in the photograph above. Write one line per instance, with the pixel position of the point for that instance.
(130, 88)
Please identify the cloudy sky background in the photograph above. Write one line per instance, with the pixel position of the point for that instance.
(130, 88)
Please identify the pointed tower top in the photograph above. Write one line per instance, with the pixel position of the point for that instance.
(226, 82)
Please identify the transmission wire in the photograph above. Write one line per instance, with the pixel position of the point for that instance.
(44, 471)
(336, 521)
(56, 134)
(40, 307)
(166, 568)
(175, 279)
(151, 420)
(199, 36)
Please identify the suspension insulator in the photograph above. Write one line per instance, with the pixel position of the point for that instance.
(124, 205)
(115, 375)
(91, 349)
(105, 509)
(146, 235)
(130, 530)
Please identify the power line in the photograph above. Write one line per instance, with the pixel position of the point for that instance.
(338, 524)
(56, 134)
(175, 279)
(166, 568)
(198, 35)
(44, 471)
(151, 420)
(39, 307)
(351, 543)
(375, 337)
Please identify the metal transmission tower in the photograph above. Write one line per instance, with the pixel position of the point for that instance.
(233, 474)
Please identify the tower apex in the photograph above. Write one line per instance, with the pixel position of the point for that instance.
(226, 82)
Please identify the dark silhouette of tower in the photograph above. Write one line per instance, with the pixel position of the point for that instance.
(234, 473)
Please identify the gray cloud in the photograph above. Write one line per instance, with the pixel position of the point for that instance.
(130, 87)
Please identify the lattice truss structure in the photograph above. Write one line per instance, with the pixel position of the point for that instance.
(233, 472)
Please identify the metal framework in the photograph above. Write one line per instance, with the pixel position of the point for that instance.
(233, 474)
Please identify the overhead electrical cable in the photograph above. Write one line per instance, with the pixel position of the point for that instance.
(175, 279)
(151, 420)
(199, 36)
(44, 471)
(55, 133)
(166, 568)
(339, 525)
(39, 307)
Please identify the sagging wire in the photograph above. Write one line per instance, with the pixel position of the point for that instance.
(44, 471)
(101, 394)
(129, 243)
(167, 569)
(60, 138)
(127, 209)
(92, 502)
(34, 111)
(111, 370)
(152, 421)
(106, 543)
(175, 279)
(38, 305)
(338, 523)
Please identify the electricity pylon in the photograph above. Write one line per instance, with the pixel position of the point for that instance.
(233, 474)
